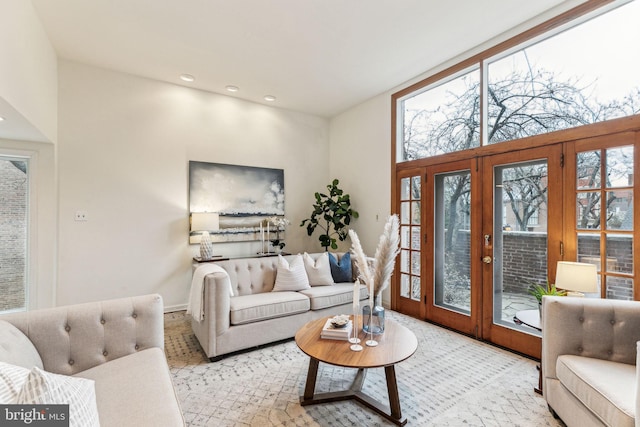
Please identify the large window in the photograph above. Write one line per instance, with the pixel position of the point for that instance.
(585, 74)
(527, 154)
(579, 74)
(14, 188)
(444, 118)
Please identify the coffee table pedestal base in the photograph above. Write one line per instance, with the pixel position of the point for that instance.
(391, 412)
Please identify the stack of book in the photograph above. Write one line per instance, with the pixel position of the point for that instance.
(330, 332)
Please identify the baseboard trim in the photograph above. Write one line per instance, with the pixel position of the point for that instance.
(172, 308)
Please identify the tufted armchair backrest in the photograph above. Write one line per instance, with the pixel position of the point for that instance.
(73, 338)
(255, 275)
(597, 328)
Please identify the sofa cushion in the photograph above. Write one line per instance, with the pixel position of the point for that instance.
(341, 269)
(12, 378)
(16, 348)
(43, 387)
(267, 305)
(291, 275)
(136, 390)
(330, 296)
(318, 270)
(605, 387)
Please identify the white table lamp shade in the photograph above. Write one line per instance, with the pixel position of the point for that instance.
(205, 221)
(576, 277)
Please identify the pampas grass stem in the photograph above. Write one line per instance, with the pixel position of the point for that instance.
(384, 260)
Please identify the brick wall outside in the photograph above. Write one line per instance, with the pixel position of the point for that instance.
(525, 262)
(13, 203)
(619, 259)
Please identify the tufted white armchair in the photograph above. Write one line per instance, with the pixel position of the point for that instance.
(118, 343)
(589, 359)
(74, 338)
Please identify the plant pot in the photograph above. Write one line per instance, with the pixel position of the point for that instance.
(540, 308)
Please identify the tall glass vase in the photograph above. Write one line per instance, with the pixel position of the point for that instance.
(373, 318)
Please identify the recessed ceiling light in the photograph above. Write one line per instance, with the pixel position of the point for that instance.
(269, 98)
(1, 119)
(187, 77)
(231, 88)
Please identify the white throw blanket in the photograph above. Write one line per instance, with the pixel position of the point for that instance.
(195, 307)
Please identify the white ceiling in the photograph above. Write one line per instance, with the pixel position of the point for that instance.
(316, 56)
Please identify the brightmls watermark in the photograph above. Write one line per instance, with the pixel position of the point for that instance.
(34, 415)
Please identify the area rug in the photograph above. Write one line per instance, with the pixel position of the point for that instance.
(451, 380)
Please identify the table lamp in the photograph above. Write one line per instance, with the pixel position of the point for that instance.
(205, 222)
(577, 278)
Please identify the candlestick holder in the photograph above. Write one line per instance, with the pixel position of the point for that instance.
(355, 329)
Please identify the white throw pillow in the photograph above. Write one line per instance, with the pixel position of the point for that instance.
(44, 388)
(291, 276)
(12, 378)
(318, 271)
(16, 347)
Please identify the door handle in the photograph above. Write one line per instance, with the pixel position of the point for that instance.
(487, 259)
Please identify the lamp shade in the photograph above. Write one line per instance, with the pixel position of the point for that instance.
(205, 221)
(576, 276)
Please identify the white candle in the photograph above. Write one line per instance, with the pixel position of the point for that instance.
(371, 296)
(261, 238)
(356, 296)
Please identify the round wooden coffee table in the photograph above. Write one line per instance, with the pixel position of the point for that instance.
(395, 345)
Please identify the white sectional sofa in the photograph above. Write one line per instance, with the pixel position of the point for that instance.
(118, 343)
(255, 315)
(589, 360)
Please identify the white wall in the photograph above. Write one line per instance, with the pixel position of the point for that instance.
(28, 75)
(124, 146)
(28, 100)
(360, 158)
(360, 142)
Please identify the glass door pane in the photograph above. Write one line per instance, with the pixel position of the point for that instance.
(410, 219)
(519, 239)
(604, 216)
(13, 233)
(452, 240)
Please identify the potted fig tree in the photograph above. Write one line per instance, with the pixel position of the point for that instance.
(332, 213)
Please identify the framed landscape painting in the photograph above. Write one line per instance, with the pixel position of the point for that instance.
(243, 196)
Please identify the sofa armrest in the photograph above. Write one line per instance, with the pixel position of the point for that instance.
(218, 302)
(73, 338)
(217, 312)
(598, 328)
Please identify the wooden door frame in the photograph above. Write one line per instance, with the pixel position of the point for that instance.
(570, 238)
(468, 324)
(501, 335)
(411, 307)
(563, 138)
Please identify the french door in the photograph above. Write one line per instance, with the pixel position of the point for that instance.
(478, 232)
(521, 239)
(600, 225)
(475, 235)
(436, 268)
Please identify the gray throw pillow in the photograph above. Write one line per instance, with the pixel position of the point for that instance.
(16, 348)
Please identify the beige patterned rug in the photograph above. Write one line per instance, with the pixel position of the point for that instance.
(452, 380)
